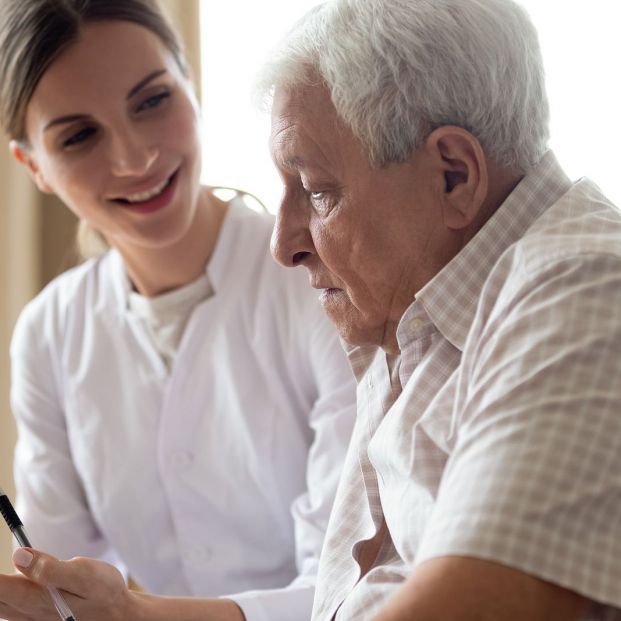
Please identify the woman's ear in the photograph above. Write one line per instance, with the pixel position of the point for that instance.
(20, 153)
(463, 167)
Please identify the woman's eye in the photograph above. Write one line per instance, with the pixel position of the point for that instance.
(79, 137)
(153, 102)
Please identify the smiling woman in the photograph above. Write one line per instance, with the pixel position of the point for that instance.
(176, 362)
(37, 236)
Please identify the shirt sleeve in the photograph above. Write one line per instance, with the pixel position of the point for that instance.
(534, 480)
(50, 498)
(331, 420)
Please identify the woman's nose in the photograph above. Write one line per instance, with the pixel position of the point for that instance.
(130, 155)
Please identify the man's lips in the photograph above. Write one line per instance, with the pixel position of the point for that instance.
(329, 292)
(317, 284)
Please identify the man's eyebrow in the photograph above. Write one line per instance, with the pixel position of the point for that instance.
(71, 118)
(154, 74)
(294, 163)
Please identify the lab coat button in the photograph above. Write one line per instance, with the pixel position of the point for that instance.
(197, 555)
(181, 460)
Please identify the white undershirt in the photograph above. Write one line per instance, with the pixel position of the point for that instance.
(166, 315)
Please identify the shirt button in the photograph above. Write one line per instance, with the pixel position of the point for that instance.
(369, 382)
(181, 460)
(197, 555)
(416, 324)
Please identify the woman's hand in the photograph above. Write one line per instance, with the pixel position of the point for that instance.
(93, 589)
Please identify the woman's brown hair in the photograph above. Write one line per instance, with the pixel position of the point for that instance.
(34, 32)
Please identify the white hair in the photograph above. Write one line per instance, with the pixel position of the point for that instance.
(397, 69)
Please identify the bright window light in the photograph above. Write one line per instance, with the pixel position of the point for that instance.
(581, 47)
(237, 36)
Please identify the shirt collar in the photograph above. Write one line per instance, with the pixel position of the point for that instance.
(451, 297)
(360, 357)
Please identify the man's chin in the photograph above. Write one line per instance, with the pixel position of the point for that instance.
(352, 334)
(347, 319)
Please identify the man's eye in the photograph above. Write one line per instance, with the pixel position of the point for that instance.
(79, 137)
(153, 102)
(314, 195)
(322, 202)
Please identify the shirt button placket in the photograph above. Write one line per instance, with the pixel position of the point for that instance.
(181, 461)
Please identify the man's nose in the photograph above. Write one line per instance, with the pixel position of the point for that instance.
(291, 241)
(131, 156)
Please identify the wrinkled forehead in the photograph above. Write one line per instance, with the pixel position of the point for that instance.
(312, 103)
(307, 109)
(308, 136)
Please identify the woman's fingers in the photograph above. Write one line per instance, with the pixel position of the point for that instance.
(83, 577)
(23, 600)
(88, 585)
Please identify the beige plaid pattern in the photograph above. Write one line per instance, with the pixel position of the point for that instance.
(505, 442)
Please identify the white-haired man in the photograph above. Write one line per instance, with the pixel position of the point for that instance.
(479, 292)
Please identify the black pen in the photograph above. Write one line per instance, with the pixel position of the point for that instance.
(17, 528)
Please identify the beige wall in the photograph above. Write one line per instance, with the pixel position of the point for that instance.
(185, 14)
(19, 276)
(36, 235)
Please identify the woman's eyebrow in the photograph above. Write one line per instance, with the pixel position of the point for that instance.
(79, 117)
(154, 74)
(65, 119)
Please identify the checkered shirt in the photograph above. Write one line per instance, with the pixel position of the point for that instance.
(505, 442)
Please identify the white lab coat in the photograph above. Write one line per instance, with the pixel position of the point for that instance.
(214, 478)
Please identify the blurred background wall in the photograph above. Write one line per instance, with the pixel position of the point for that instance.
(36, 244)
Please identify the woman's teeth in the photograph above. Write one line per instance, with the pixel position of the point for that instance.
(140, 197)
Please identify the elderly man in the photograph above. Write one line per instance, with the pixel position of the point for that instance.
(479, 292)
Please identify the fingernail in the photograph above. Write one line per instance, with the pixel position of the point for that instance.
(23, 558)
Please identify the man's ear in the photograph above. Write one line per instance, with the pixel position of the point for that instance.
(460, 160)
(20, 153)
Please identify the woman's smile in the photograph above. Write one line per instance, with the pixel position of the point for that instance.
(151, 200)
